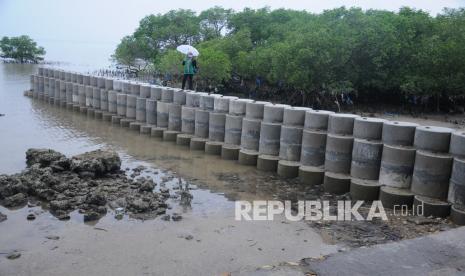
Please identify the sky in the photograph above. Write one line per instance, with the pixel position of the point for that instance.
(87, 31)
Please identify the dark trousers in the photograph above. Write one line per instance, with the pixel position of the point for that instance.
(187, 77)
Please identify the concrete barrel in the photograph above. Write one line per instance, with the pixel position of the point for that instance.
(32, 82)
(89, 95)
(117, 85)
(56, 74)
(155, 93)
(108, 84)
(41, 87)
(151, 111)
(188, 120)
(174, 117)
(41, 71)
(457, 183)
(103, 99)
(193, 99)
(62, 92)
(397, 166)
(75, 94)
(207, 102)
(121, 100)
(141, 104)
(270, 134)
(101, 82)
(135, 89)
(250, 136)
(86, 80)
(162, 114)
(233, 129)
(202, 118)
(430, 138)
(62, 75)
(35, 93)
(112, 102)
(341, 124)
(398, 133)
(313, 148)
(179, 97)
(51, 86)
(457, 144)
(57, 94)
(144, 91)
(94, 81)
(431, 174)
(131, 102)
(368, 128)
(238, 107)
(46, 87)
(290, 145)
(68, 76)
(216, 127)
(74, 77)
(80, 78)
(273, 113)
(338, 156)
(69, 92)
(366, 159)
(167, 95)
(96, 98)
(254, 110)
(221, 104)
(295, 116)
(126, 87)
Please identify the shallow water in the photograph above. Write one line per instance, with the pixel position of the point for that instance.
(219, 244)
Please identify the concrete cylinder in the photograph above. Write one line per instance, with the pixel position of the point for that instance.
(188, 120)
(457, 144)
(75, 93)
(41, 71)
(51, 85)
(103, 99)
(121, 100)
(74, 77)
(167, 95)
(135, 89)
(179, 97)
(457, 183)
(341, 124)
(238, 107)
(290, 144)
(69, 92)
(295, 116)
(46, 87)
(216, 127)
(68, 76)
(89, 94)
(273, 113)
(131, 102)
(233, 129)
(80, 79)
(96, 98)
(112, 102)
(338, 156)
(366, 159)
(317, 119)
(126, 87)
(56, 74)
(141, 104)
(254, 110)
(431, 174)
(155, 93)
(101, 82)
(270, 134)
(93, 81)
(398, 133)
(162, 114)
(207, 102)
(108, 84)
(174, 117)
(221, 104)
(368, 128)
(250, 136)
(62, 75)
(86, 80)
(397, 166)
(151, 111)
(117, 85)
(430, 138)
(193, 99)
(202, 118)
(313, 148)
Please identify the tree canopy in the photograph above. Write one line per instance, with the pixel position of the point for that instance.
(372, 52)
(21, 48)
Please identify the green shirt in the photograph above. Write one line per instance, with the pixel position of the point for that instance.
(188, 66)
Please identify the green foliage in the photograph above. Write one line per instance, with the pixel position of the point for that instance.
(339, 50)
(21, 48)
(171, 63)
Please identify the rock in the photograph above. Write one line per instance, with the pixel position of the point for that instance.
(91, 216)
(13, 255)
(139, 206)
(3, 217)
(43, 157)
(98, 162)
(189, 237)
(166, 217)
(59, 205)
(147, 185)
(176, 217)
(61, 215)
(15, 200)
(31, 217)
(52, 237)
(96, 199)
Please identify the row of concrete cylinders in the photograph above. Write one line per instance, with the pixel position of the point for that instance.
(400, 163)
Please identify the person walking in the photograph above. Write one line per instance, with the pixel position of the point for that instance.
(190, 68)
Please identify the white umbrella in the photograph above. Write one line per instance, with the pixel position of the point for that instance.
(187, 49)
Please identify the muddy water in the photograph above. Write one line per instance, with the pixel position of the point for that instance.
(207, 241)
